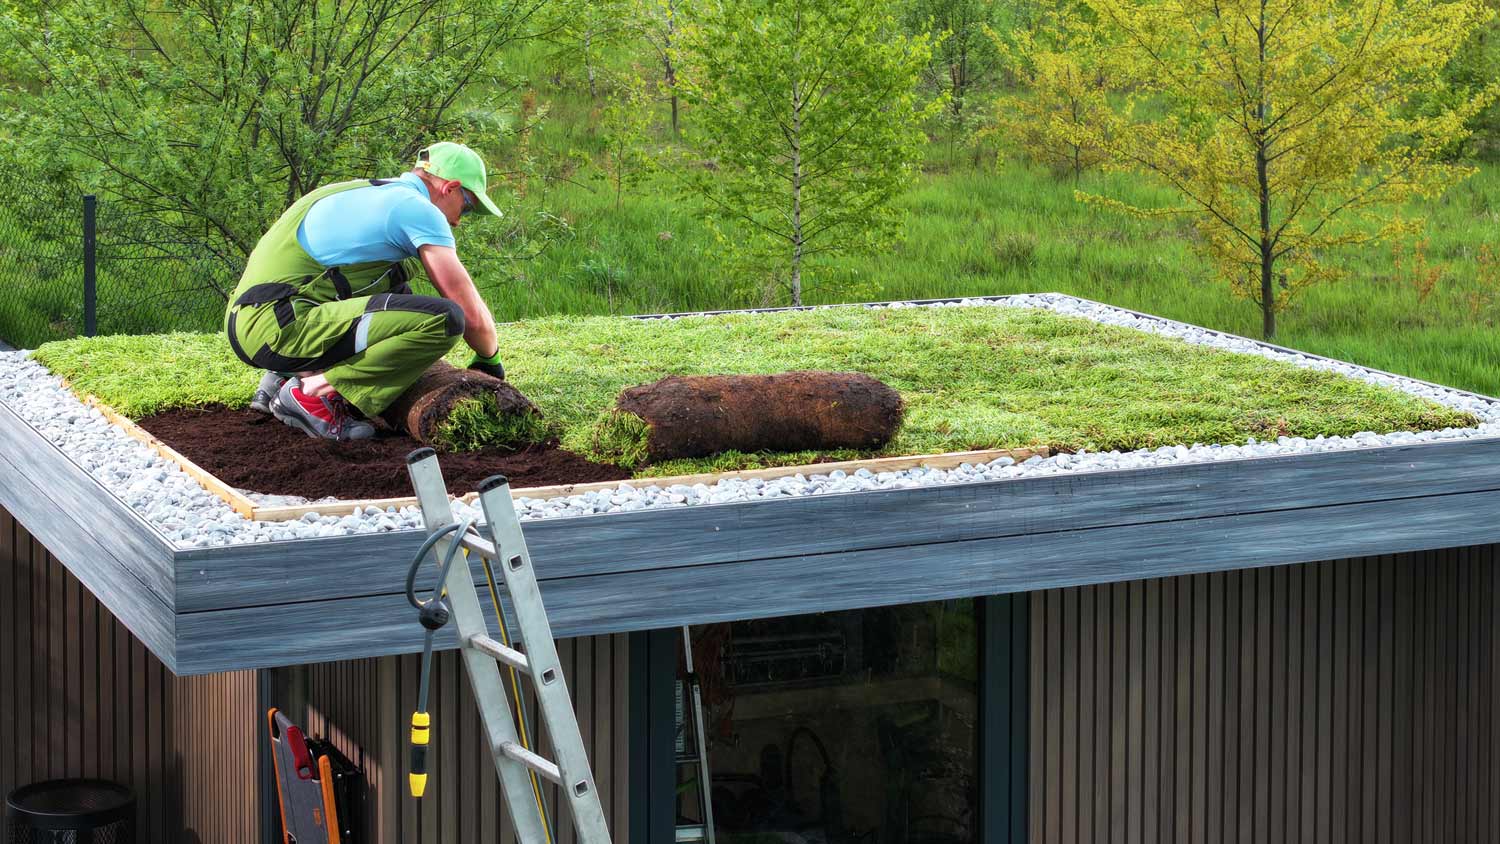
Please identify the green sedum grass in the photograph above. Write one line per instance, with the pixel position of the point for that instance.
(972, 378)
(475, 423)
(139, 375)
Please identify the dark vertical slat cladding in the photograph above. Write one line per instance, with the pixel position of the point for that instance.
(9, 702)
(1197, 716)
(41, 701)
(1036, 750)
(1271, 774)
(1116, 769)
(1130, 703)
(1081, 635)
(1322, 792)
(1310, 684)
(1052, 774)
(1348, 700)
(1148, 684)
(72, 681)
(80, 696)
(1240, 717)
(87, 637)
(1292, 774)
(1098, 755)
(1386, 727)
(364, 707)
(1068, 690)
(1175, 674)
(1219, 662)
(1344, 744)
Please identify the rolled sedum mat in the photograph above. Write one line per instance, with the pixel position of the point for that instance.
(697, 416)
(423, 411)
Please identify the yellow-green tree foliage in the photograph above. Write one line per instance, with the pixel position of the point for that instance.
(1285, 125)
(1062, 83)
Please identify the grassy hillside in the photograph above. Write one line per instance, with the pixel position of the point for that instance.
(972, 378)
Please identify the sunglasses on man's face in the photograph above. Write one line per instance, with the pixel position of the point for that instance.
(469, 202)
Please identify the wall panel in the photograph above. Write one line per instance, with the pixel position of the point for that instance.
(81, 697)
(1344, 701)
(364, 706)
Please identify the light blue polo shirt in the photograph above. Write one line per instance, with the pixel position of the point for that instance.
(376, 223)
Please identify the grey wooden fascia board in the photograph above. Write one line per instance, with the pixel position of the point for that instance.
(271, 573)
(373, 625)
(136, 542)
(103, 565)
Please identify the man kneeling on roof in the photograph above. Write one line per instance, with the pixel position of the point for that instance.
(324, 306)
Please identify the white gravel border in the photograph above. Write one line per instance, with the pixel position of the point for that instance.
(190, 516)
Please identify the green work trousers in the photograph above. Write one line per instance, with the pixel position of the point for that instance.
(369, 348)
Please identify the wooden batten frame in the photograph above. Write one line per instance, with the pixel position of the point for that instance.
(878, 464)
(281, 513)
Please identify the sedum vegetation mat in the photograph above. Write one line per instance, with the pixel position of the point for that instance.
(972, 378)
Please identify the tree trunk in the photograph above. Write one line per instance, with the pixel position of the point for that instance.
(588, 63)
(796, 198)
(671, 77)
(1263, 187)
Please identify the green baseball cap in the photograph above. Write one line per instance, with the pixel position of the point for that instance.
(448, 160)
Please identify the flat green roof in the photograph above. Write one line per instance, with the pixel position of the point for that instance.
(972, 377)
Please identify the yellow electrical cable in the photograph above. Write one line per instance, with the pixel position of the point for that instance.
(515, 685)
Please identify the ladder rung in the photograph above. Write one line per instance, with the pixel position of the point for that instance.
(479, 545)
(536, 763)
(497, 650)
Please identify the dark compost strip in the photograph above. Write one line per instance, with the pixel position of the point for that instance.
(250, 451)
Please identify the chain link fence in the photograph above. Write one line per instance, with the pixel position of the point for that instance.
(71, 266)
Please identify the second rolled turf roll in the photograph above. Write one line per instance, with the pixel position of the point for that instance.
(697, 416)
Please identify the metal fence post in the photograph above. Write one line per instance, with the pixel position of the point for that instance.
(90, 266)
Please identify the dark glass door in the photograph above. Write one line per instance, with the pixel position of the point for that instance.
(842, 727)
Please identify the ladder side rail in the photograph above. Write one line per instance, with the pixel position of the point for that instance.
(579, 789)
(484, 673)
(700, 739)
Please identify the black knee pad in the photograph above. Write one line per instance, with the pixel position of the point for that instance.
(453, 315)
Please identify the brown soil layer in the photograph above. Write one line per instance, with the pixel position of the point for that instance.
(697, 416)
(424, 407)
(252, 451)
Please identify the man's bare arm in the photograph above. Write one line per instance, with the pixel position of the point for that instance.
(452, 280)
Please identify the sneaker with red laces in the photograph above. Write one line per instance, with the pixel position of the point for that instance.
(329, 418)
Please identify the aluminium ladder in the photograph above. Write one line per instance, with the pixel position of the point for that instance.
(703, 831)
(482, 654)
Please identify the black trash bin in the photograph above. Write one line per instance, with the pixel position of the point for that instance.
(71, 811)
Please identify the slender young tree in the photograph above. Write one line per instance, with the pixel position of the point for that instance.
(965, 56)
(808, 115)
(1285, 125)
(624, 126)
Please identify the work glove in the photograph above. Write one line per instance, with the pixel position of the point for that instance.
(488, 365)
